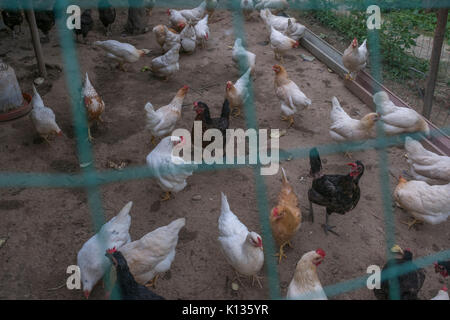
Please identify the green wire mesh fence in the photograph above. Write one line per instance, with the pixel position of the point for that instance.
(92, 179)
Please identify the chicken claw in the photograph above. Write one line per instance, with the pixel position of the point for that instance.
(281, 254)
(257, 280)
(311, 213)
(327, 228)
(348, 155)
(237, 113)
(90, 138)
(152, 283)
(411, 223)
(153, 140)
(166, 196)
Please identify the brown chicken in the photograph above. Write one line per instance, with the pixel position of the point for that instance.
(94, 105)
(286, 217)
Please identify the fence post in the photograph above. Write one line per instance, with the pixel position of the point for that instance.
(438, 40)
(36, 41)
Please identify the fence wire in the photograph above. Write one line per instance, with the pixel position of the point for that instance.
(91, 179)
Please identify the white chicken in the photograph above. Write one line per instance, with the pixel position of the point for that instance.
(188, 39)
(43, 118)
(170, 171)
(277, 5)
(243, 250)
(237, 93)
(154, 253)
(202, 31)
(355, 58)
(289, 94)
(93, 103)
(442, 294)
(179, 18)
(295, 30)
(344, 128)
(176, 19)
(91, 257)
(247, 8)
(306, 284)
(280, 43)
(288, 26)
(211, 6)
(397, 120)
(425, 203)
(242, 58)
(166, 37)
(163, 121)
(425, 165)
(121, 52)
(167, 65)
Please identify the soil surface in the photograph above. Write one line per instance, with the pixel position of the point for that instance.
(45, 227)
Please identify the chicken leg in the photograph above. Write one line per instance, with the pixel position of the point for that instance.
(411, 223)
(153, 140)
(281, 254)
(326, 227)
(311, 213)
(152, 283)
(290, 119)
(166, 196)
(257, 280)
(237, 113)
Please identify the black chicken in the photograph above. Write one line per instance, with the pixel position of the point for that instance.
(204, 115)
(86, 24)
(107, 15)
(338, 193)
(12, 18)
(128, 287)
(45, 20)
(409, 284)
(442, 267)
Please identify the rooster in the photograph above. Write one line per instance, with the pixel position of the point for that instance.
(409, 284)
(91, 259)
(221, 124)
(442, 294)
(169, 170)
(167, 65)
(286, 218)
(121, 52)
(280, 43)
(202, 31)
(289, 94)
(343, 128)
(107, 15)
(154, 253)
(188, 39)
(237, 93)
(338, 193)
(306, 284)
(426, 203)
(425, 165)
(43, 118)
(397, 120)
(93, 103)
(166, 37)
(129, 289)
(242, 58)
(355, 58)
(243, 250)
(163, 121)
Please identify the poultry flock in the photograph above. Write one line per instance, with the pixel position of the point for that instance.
(138, 263)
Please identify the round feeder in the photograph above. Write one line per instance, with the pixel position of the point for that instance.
(24, 109)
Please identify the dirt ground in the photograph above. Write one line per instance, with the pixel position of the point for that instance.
(47, 227)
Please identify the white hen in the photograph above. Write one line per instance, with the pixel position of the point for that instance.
(425, 165)
(425, 203)
(355, 58)
(242, 249)
(397, 120)
(121, 52)
(442, 294)
(242, 58)
(202, 31)
(188, 39)
(170, 171)
(280, 43)
(166, 65)
(277, 5)
(91, 257)
(237, 93)
(153, 253)
(43, 117)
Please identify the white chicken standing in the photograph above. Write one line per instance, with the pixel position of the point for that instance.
(43, 117)
(242, 249)
(166, 65)
(244, 57)
(166, 37)
(237, 93)
(163, 121)
(202, 31)
(355, 58)
(344, 128)
(397, 120)
(288, 26)
(277, 5)
(91, 257)
(170, 171)
(121, 52)
(179, 18)
(153, 253)
(280, 43)
(188, 39)
(425, 165)
(306, 284)
(442, 294)
(425, 203)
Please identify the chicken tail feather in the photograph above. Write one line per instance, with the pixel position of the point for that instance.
(315, 162)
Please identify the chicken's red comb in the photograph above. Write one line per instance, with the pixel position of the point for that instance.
(182, 138)
(168, 12)
(196, 103)
(111, 251)
(259, 242)
(352, 164)
(275, 212)
(320, 252)
(185, 87)
(444, 288)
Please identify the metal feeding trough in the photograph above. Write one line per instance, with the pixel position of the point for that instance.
(13, 102)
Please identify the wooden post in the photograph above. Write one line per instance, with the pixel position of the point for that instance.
(36, 40)
(438, 40)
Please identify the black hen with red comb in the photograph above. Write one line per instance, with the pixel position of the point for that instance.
(442, 267)
(126, 285)
(338, 193)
